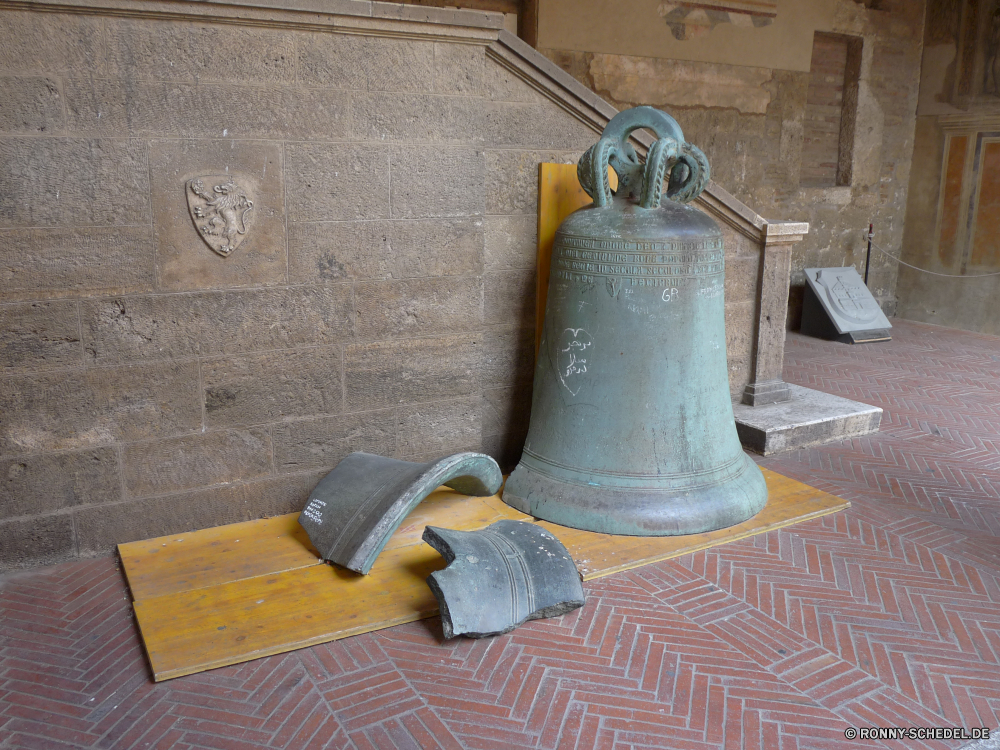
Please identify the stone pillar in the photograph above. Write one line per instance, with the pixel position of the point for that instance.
(766, 385)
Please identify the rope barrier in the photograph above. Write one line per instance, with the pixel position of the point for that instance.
(934, 273)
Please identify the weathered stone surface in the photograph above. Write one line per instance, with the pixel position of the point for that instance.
(436, 182)
(183, 259)
(740, 329)
(337, 181)
(211, 323)
(193, 461)
(100, 529)
(510, 298)
(439, 428)
(741, 279)
(737, 244)
(354, 510)
(679, 83)
(511, 242)
(423, 118)
(500, 577)
(208, 110)
(501, 85)
(452, 16)
(47, 482)
(37, 335)
(345, 61)
(508, 356)
(268, 387)
(321, 443)
(30, 105)
(459, 69)
(418, 307)
(536, 126)
(506, 411)
(406, 372)
(512, 179)
(50, 43)
(329, 251)
(505, 449)
(42, 540)
(146, 50)
(98, 406)
(69, 262)
(61, 182)
(772, 312)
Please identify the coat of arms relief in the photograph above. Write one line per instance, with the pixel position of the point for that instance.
(221, 213)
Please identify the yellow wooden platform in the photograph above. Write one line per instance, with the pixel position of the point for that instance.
(234, 593)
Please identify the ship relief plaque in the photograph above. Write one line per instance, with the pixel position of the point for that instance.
(222, 211)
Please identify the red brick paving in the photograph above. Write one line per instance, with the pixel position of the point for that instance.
(886, 615)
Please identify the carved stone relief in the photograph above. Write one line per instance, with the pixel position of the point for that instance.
(688, 19)
(222, 211)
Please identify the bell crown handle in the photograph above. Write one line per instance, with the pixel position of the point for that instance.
(670, 157)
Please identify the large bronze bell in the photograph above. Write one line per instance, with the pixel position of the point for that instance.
(632, 427)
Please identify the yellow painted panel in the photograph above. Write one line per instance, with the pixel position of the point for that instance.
(559, 195)
(226, 616)
(986, 245)
(951, 205)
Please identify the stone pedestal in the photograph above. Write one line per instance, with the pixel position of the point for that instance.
(808, 418)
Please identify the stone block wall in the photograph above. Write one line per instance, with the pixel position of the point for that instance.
(382, 300)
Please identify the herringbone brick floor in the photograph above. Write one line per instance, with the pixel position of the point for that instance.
(886, 615)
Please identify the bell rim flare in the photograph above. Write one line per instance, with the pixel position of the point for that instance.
(650, 512)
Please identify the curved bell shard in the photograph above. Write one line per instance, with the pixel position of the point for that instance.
(354, 509)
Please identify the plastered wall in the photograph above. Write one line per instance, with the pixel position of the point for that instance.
(952, 227)
(739, 92)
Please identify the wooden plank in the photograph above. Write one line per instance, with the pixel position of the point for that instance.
(559, 195)
(191, 631)
(257, 612)
(184, 562)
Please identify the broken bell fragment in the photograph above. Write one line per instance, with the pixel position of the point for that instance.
(501, 576)
(355, 508)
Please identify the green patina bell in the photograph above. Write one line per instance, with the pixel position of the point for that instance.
(632, 427)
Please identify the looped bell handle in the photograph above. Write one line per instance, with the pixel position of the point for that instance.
(685, 164)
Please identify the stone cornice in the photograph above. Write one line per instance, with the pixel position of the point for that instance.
(970, 122)
(343, 16)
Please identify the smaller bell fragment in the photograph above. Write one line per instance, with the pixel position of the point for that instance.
(500, 577)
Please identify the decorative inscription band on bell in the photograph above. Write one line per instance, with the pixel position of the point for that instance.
(585, 258)
(591, 243)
